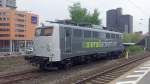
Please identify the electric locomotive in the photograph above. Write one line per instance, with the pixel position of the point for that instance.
(62, 45)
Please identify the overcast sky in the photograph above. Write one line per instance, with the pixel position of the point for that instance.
(58, 9)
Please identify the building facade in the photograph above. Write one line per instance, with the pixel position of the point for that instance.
(126, 24)
(8, 4)
(16, 29)
(116, 21)
(112, 20)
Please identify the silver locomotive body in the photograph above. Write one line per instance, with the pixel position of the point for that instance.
(63, 45)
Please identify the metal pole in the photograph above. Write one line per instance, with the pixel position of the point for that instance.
(10, 47)
(148, 37)
(25, 39)
(149, 28)
(148, 42)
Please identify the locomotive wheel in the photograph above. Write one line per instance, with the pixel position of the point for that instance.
(42, 67)
(65, 65)
(60, 66)
(108, 56)
(88, 60)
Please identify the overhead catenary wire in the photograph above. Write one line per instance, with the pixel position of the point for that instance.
(138, 8)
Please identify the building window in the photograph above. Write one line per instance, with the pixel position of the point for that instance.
(20, 15)
(4, 29)
(20, 20)
(19, 35)
(4, 24)
(4, 35)
(4, 19)
(20, 25)
(19, 30)
(2, 13)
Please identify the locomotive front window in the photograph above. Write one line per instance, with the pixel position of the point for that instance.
(44, 31)
(47, 32)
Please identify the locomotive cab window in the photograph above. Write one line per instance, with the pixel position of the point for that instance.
(108, 35)
(44, 31)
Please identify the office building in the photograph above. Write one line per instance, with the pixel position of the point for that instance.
(16, 29)
(126, 24)
(118, 22)
(8, 4)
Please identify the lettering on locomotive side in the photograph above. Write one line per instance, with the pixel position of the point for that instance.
(92, 44)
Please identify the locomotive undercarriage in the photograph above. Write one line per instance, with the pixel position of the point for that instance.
(43, 62)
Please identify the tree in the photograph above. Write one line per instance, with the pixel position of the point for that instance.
(80, 15)
(94, 19)
(132, 37)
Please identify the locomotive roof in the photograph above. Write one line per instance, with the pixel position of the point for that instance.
(83, 28)
(90, 28)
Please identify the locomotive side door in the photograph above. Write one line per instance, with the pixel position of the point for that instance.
(68, 40)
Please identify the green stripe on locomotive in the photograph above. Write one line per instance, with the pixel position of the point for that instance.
(92, 44)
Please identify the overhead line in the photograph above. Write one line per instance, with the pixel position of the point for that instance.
(138, 8)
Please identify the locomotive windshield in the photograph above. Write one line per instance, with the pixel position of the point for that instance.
(44, 31)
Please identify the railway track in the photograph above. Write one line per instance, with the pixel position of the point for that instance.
(17, 77)
(111, 73)
(100, 78)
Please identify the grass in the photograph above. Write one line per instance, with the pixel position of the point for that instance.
(9, 62)
(135, 49)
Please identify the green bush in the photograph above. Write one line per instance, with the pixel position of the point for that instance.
(135, 49)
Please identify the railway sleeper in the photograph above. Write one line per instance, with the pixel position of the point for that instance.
(102, 80)
(113, 74)
(97, 82)
(105, 77)
(119, 71)
(88, 83)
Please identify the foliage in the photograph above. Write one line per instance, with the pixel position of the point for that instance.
(81, 15)
(131, 37)
(135, 49)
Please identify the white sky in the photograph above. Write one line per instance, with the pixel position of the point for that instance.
(58, 9)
